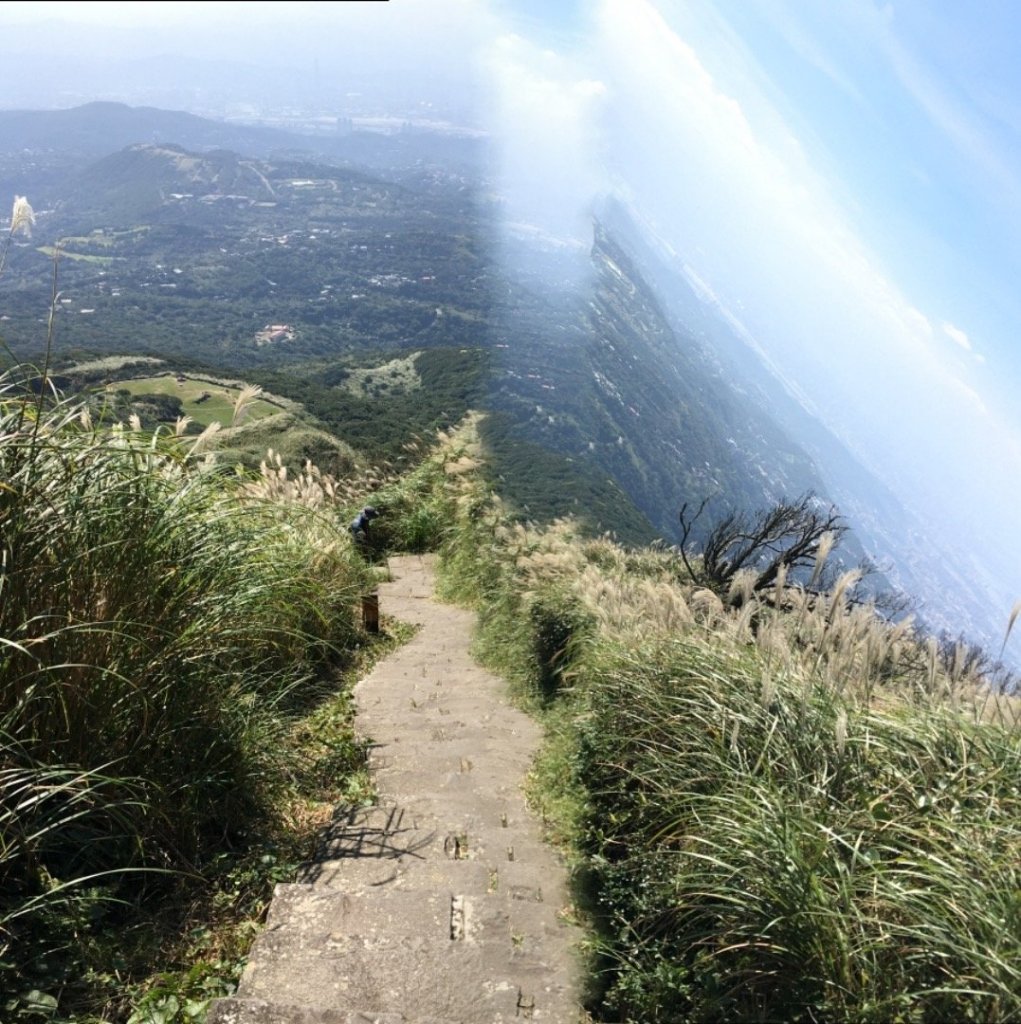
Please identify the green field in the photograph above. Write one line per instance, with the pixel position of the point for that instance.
(80, 257)
(203, 400)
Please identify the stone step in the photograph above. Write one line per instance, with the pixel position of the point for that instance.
(413, 976)
(408, 848)
(455, 786)
(516, 879)
(418, 730)
(490, 765)
(317, 921)
(415, 692)
(433, 701)
(258, 1011)
(441, 748)
(400, 828)
(415, 727)
(411, 828)
(380, 832)
(428, 655)
(425, 841)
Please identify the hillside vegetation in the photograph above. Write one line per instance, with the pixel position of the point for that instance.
(605, 402)
(171, 636)
(779, 806)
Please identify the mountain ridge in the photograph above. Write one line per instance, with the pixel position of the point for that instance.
(95, 129)
(897, 537)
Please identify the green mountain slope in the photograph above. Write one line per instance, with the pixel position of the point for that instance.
(611, 383)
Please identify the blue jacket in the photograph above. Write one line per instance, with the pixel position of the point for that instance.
(360, 523)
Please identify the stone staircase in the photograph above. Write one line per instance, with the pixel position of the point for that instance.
(442, 903)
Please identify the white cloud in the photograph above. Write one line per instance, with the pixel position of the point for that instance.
(957, 336)
(919, 321)
(721, 172)
(962, 124)
(972, 397)
(545, 107)
(784, 18)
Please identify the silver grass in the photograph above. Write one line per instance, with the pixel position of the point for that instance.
(22, 217)
(1014, 613)
(246, 396)
(826, 542)
(845, 581)
(841, 730)
(205, 437)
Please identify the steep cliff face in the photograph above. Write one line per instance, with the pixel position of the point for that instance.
(608, 382)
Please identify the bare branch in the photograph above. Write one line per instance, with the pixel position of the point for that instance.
(785, 537)
(686, 528)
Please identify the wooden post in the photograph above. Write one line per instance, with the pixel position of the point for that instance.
(370, 612)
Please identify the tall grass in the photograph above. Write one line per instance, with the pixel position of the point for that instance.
(783, 807)
(158, 625)
(797, 857)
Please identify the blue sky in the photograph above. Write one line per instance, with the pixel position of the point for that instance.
(912, 110)
(900, 122)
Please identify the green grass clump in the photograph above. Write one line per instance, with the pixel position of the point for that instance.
(781, 854)
(159, 627)
(419, 509)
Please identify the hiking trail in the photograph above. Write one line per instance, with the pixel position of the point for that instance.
(442, 904)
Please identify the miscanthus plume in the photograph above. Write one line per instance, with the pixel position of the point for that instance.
(22, 216)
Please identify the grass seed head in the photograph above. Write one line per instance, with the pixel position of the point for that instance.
(22, 217)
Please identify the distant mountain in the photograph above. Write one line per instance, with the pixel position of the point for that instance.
(137, 181)
(607, 378)
(951, 591)
(620, 390)
(96, 129)
(607, 403)
(99, 129)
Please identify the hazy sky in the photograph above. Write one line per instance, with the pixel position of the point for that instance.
(843, 175)
(845, 178)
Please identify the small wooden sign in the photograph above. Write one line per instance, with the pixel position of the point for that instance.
(370, 612)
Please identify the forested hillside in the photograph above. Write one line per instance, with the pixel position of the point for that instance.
(305, 277)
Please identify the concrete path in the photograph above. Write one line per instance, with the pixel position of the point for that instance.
(441, 904)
